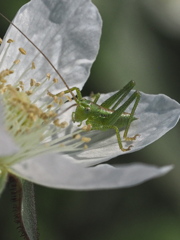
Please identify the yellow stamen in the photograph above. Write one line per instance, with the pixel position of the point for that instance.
(87, 127)
(32, 82)
(22, 51)
(77, 136)
(64, 124)
(48, 75)
(37, 84)
(33, 66)
(49, 106)
(10, 40)
(17, 61)
(29, 92)
(85, 139)
(55, 80)
(57, 122)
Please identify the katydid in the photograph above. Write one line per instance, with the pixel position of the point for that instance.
(108, 115)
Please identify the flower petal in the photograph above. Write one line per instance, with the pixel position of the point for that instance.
(68, 32)
(156, 114)
(7, 145)
(52, 170)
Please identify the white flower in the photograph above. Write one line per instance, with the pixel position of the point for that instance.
(34, 144)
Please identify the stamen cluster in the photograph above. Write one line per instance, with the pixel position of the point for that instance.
(32, 122)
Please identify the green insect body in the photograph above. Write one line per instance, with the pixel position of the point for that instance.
(108, 115)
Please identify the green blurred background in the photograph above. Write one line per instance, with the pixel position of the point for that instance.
(140, 41)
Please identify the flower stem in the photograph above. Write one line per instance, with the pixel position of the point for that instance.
(22, 196)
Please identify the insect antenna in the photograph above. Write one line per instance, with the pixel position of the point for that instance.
(43, 54)
(67, 109)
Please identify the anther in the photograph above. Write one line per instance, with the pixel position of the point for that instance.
(77, 136)
(37, 84)
(85, 139)
(32, 82)
(87, 127)
(10, 40)
(48, 75)
(57, 122)
(5, 73)
(33, 66)
(22, 51)
(3, 80)
(17, 61)
(18, 89)
(29, 92)
(55, 80)
(64, 124)
(55, 99)
(49, 106)
(1, 40)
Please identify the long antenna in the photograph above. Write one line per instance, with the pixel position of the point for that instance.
(55, 69)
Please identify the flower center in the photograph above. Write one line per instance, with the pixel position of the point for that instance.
(31, 112)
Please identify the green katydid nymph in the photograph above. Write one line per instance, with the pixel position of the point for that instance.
(108, 115)
(104, 116)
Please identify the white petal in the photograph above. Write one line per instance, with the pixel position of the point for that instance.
(68, 32)
(7, 144)
(54, 171)
(157, 114)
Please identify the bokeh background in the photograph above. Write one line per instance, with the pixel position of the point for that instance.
(140, 41)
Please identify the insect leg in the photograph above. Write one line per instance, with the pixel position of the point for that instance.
(97, 96)
(119, 96)
(78, 92)
(112, 120)
(131, 119)
(119, 139)
(106, 127)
